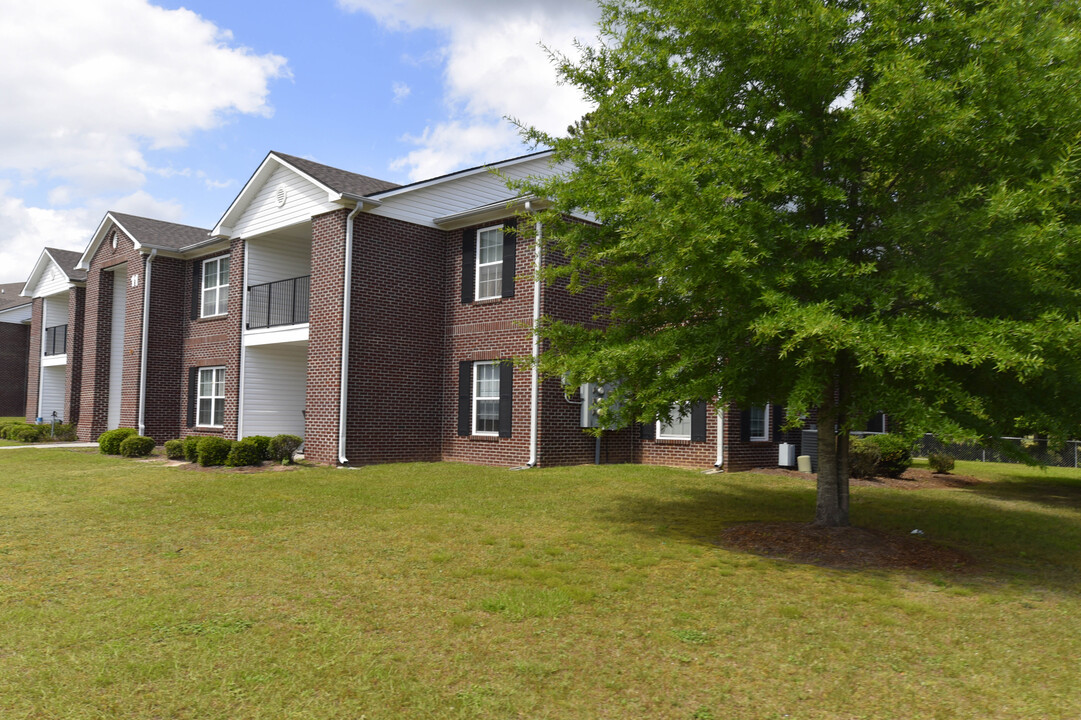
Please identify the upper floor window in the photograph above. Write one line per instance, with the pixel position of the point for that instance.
(679, 427)
(759, 423)
(215, 287)
(489, 263)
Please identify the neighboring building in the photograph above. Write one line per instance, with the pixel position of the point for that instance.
(15, 313)
(377, 321)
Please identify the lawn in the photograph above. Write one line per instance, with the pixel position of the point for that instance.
(448, 591)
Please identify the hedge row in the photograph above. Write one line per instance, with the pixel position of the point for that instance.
(25, 432)
(212, 450)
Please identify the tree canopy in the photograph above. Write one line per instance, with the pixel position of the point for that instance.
(849, 205)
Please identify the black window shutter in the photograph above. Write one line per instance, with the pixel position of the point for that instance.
(877, 423)
(193, 383)
(469, 264)
(196, 286)
(510, 248)
(506, 397)
(776, 413)
(649, 431)
(744, 425)
(698, 422)
(465, 398)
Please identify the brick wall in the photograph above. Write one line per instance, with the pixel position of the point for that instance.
(14, 368)
(73, 379)
(33, 363)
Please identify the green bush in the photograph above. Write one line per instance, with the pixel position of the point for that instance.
(6, 428)
(863, 459)
(30, 433)
(174, 449)
(191, 448)
(940, 462)
(282, 448)
(263, 443)
(213, 450)
(137, 446)
(894, 454)
(64, 432)
(109, 441)
(244, 452)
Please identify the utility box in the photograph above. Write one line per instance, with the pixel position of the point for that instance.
(591, 394)
(786, 454)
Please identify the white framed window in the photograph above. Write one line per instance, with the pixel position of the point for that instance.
(759, 423)
(679, 428)
(486, 398)
(211, 397)
(489, 263)
(215, 287)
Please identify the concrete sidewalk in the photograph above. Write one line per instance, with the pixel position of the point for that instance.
(51, 445)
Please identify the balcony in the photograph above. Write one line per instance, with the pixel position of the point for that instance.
(279, 303)
(56, 340)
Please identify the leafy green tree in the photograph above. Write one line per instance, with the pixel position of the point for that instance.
(851, 206)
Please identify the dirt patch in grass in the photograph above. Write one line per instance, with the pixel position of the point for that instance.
(245, 470)
(848, 548)
(912, 479)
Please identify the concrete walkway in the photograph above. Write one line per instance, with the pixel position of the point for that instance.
(49, 445)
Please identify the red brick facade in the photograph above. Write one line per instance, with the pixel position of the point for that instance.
(14, 368)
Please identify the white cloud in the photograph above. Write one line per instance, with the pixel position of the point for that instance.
(495, 67)
(401, 91)
(89, 88)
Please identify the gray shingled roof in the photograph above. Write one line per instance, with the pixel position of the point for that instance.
(339, 180)
(10, 297)
(159, 234)
(67, 260)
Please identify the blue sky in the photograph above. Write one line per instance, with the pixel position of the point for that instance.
(165, 110)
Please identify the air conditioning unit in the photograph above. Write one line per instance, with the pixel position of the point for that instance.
(786, 454)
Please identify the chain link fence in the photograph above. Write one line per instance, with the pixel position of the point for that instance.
(1041, 451)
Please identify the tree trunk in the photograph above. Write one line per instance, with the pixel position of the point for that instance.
(831, 505)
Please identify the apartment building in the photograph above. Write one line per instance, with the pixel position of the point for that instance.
(379, 322)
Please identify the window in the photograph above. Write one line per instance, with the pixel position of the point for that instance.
(215, 286)
(486, 398)
(759, 423)
(489, 263)
(211, 397)
(680, 426)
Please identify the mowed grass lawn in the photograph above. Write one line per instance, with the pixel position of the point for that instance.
(448, 591)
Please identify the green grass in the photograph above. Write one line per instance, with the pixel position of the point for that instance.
(448, 591)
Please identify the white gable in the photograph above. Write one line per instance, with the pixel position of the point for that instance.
(266, 211)
(46, 279)
(422, 204)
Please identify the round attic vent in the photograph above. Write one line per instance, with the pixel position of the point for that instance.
(281, 195)
(114, 239)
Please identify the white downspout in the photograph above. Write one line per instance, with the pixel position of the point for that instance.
(41, 358)
(346, 300)
(720, 434)
(146, 333)
(534, 378)
(243, 347)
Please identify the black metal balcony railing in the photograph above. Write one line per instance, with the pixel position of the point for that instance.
(56, 340)
(284, 302)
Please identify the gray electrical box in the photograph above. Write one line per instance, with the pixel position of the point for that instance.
(591, 393)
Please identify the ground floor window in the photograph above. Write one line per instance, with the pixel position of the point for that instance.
(679, 427)
(211, 397)
(486, 398)
(759, 423)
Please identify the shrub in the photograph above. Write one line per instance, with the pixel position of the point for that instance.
(213, 450)
(137, 446)
(895, 454)
(282, 448)
(940, 462)
(109, 441)
(244, 452)
(8, 430)
(263, 443)
(191, 448)
(863, 459)
(30, 433)
(65, 432)
(174, 449)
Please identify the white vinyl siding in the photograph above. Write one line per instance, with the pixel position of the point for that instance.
(486, 398)
(52, 281)
(211, 397)
(56, 310)
(215, 287)
(419, 206)
(489, 271)
(277, 258)
(760, 423)
(116, 345)
(275, 384)
(680, 426)
(263, 214)
(53, 384)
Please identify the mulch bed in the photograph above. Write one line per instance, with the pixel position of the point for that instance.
(847, 548)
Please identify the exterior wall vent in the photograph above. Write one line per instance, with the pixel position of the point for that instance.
(281, 195)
